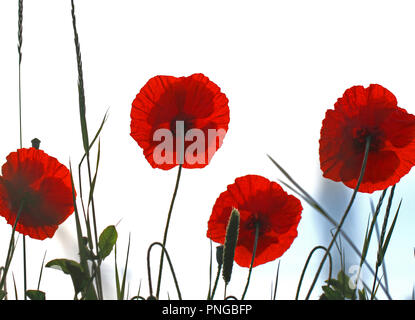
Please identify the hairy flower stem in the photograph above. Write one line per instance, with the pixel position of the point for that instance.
(252, 261)
(362, 171)
(167, 229)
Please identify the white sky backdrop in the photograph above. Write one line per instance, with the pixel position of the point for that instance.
(280, 63)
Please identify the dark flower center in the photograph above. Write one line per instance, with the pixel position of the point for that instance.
(19, 193)
(360, 136)
(258, 220)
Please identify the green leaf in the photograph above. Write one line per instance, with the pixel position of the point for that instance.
(72, 268)
(106, 241)
(362, 294)
(330, 294)
(341, 285)
(2, 294)
(36, 295)
(338, 289)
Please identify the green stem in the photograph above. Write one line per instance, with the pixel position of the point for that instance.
(167, 229)
(11, 245)
(216, 282)
(306, 265)
(171, 268)
(19, 48)
(362, 171)
(24, 268)
(252, 261)
(210, 272)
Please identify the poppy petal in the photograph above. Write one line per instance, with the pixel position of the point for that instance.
(195, 102)
(40, 187)
(360, 113)
(263, 204)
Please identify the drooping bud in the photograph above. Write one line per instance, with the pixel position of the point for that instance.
(231, 239)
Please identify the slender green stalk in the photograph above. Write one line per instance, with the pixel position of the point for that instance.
(382, 243)
(24, 268)
(362, 171)
(167, 229)
(171, 268)
(41, 271)
(216, 282)
(81, 247)
(11, 248)
(210, 271)
(15, 287)
(252, 261)
(19, 49)
(385, 276)
(306, 265)
(274, 296)
(85, 139)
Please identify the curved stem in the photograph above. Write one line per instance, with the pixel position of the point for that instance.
(171, 268)
(167, 229)
(137, 298)
(306, 265)
(252, 261)
(362, 171)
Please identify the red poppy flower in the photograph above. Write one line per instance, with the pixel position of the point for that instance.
(179, 121)
(39, 186)
(360, 113)
(259, 202)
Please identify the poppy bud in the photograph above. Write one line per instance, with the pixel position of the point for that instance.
(231, 239)
(35, 143)
(219, 255)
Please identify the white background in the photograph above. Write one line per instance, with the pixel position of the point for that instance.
(280, 63)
